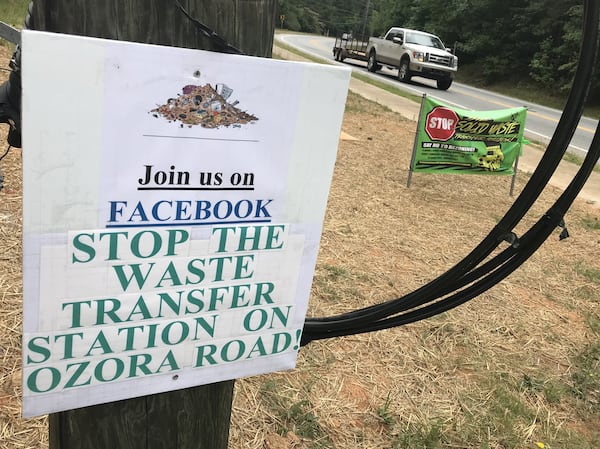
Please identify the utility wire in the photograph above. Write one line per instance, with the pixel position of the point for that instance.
(222, 45)
(5, 153)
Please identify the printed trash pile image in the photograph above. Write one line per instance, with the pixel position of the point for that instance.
(204, 106)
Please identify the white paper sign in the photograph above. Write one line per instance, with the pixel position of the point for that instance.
(173, 206)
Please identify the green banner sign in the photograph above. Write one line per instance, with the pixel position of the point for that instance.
(453, 140)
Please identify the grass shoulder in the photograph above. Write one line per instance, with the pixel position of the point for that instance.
(527, 91)
(13, 12)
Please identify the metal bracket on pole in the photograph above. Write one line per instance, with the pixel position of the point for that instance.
(515, 170)
(414, 152)
(9, 33)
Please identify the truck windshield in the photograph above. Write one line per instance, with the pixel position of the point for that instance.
(424, 39)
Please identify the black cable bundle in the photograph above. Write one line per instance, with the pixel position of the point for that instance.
(468, 278)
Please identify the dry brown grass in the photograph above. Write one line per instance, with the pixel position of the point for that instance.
(457, 374)
(502, 371)
(15, 432)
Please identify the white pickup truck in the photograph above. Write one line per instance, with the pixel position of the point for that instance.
(413, 53)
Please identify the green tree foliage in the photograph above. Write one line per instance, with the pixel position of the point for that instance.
(514, 40)
(528, 41)
(555, 62)
(329, 17)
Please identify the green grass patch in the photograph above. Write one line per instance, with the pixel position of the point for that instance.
(420, 435)
(336, 273)
(577, 160)
(593, 321)
(587, 293)
(590, 273)
(353, 106)
(553, 392)
(586, 379)
(294, 416)
(336, 283)
(300, 53)
(356, 104)
(385, 414)
(13, 12)
(573, 158)
(501, 409)
(591, 223)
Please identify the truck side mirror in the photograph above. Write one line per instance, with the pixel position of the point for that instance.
(398, 40)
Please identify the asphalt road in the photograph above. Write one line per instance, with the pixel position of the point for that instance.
(541, 120)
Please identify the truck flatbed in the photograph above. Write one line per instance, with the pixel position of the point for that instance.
(347, 46)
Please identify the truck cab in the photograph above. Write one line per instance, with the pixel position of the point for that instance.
(413, 53)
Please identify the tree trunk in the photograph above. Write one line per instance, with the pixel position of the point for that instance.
(196, 417)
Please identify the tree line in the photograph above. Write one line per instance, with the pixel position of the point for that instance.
(529, 41)
(516, 41)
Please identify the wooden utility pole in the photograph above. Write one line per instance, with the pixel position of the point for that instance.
(196, 417)
(246, 24)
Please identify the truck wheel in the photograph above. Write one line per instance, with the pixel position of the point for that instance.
(403, 71)
(444, 84)
(372, 65)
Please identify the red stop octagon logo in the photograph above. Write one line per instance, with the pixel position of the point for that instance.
(441, 123)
